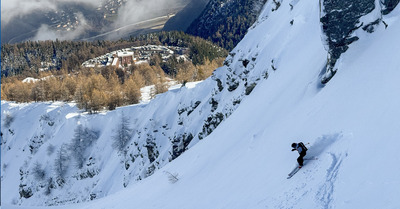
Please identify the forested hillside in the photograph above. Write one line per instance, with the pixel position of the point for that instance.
(28, 58)
(58, 74)
(225, 22)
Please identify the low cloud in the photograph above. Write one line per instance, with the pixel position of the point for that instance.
(133, 11)
(137, 10)
(46, 33)
(18, 8)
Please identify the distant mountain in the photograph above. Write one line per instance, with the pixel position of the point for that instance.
(70, 21)
(79, 20)
(182, 20)
(226, 21)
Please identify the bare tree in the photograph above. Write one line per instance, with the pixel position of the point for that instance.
(172, 177)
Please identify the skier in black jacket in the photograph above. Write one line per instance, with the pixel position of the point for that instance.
(302, 149)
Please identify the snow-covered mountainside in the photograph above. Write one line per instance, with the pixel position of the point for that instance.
(236, 126)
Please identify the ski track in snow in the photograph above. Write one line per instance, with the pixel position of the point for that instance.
(305, 179)
(362, 99)
(326, 190)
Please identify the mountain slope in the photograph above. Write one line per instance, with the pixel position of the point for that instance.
(186, 16)
(351, 122)
(226, 21)
(243, 164)
(84, 152)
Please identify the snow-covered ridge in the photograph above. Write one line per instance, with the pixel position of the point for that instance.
(160, 131)
(352, 125)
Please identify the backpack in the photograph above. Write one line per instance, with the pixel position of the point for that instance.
(303, 146)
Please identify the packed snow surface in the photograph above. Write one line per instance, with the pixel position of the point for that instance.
(351, 124)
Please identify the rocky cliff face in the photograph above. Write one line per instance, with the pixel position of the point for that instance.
(341, 19)
(388, 5)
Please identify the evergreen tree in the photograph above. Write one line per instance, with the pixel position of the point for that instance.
(61, 163)
(83, 138)
(123, 134)
(38, 172)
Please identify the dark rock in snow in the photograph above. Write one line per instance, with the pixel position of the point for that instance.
(340, 20)
(389, 5)
(180, 144)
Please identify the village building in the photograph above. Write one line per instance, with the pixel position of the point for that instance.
(122, 59)
(135, 55)
(115, 61)
(125, 58)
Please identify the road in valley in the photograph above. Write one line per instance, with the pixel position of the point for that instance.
(131, 29)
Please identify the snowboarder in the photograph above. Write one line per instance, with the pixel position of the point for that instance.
(302, 149)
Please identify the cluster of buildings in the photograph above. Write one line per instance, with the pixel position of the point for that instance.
(66, 18)
(63, 21)
(135, 55)
(110, 7)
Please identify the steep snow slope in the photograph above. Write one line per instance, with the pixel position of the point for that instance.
(352, 125)
(54, 154)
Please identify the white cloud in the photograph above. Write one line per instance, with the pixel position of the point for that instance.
(19, 8)
(131, 12)
(135, 11)
(45, 33)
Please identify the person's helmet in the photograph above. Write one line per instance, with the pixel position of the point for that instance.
(294, 145)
